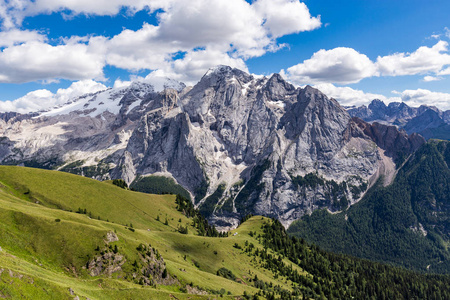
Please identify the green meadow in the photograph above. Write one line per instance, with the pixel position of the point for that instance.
(53, 223)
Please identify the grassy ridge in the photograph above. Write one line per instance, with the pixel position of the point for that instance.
(46, 242)
(71, 192)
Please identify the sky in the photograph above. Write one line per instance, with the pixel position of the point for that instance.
(352, 50)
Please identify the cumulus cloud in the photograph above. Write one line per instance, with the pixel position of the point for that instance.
(346, 65)
(136, 50)
(229, 25)
(444, 71)
(15, 37)
(339, 65)
(201, 24)
(286, 17)
(421, 61)
(118, 83)
(36, 60)
(186, 30)
(431, 78)
(45, 99)
(425, 97)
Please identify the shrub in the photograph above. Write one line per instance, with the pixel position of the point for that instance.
(120, 183)
(224, 272)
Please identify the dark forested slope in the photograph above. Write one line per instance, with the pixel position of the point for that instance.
(406, 223)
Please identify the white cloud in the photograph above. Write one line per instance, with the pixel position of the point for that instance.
(40, 61)
(15, 37)
(421, 61)
(425, 97)
(203, 24)
(79, 88)
(118, 83)
(229, 25)
(201, 31)
(33, 101)
(279, 17)
(431, 78)
(137, 50)
(286, 17)
(339, 65)
(346, 65)
(44, 99)
(7, 20)
(444, 71)
(233, 30)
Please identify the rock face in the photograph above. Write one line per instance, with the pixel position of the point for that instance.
(106, 264)
(238, 143)
(395, 143)
(428, 121)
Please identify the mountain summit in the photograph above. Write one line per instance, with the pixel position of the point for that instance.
(237, 143)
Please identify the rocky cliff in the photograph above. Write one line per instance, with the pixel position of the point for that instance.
(238, 143)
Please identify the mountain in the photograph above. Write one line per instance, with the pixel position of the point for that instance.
(68, 237)
(406, 223)
(237, 144)
(428, 121)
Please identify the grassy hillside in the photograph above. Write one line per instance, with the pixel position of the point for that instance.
(45, 241)
(63, 236)
(405, 224)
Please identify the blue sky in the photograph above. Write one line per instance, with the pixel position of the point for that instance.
(354, 51)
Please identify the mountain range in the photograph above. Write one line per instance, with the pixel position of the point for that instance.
(237, 143)
(428, 121)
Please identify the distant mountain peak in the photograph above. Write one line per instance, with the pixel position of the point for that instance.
(428, 121)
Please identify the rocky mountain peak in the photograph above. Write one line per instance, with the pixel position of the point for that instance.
(220, 74)
(140, 88)
(237, 143)
(377, 104)
(428, 121)
(278, 87)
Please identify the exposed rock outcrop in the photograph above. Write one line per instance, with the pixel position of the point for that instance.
(106, 264)
(396, 143)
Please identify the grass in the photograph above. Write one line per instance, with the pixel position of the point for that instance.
(47, 257)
